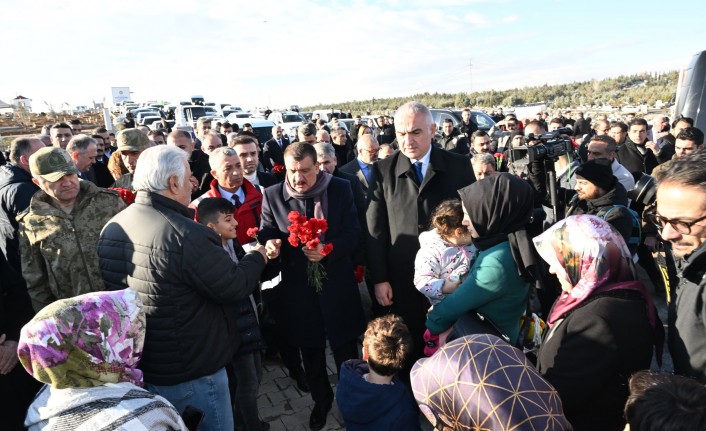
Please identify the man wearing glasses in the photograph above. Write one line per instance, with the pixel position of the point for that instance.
(681, 216)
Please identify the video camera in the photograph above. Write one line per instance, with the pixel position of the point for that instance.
(549, 146)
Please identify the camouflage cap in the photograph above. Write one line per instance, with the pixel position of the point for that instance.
(51, 163)
(131, 140)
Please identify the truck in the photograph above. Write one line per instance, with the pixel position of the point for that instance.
(690, 100)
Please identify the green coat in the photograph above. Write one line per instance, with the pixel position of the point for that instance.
(493, 288)
(58, 250)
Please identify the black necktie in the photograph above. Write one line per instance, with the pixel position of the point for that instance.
(236, 201)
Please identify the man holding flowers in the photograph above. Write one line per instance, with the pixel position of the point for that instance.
(314, 215)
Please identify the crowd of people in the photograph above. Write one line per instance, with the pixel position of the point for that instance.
(511, 274)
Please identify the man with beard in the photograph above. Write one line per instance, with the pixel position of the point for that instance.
(246, 147)
(334, 312)
(452, 140)
(100, 167)
(680, 215)
(131, 142)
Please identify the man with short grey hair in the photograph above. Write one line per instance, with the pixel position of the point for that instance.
(405, 188)
(83, 150)
(344, 148)
(484, 165)
(368, 149)
(16, 191)
(228, 183)
(187, 282)
(59, 231)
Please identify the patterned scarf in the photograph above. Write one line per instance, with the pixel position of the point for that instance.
(479, 382)
(86, 341)
(588, 254)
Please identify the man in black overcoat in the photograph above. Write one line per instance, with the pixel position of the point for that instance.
(399, 209)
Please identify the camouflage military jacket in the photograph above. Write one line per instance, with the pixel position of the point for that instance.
(58, 250)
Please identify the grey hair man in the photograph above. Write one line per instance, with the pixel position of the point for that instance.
(368, 149)
(179, 268)
(16, 191)
(83, 150)
(484, 165)
(415, 179)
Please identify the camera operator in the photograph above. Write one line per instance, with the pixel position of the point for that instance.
(518, 160)
(561, 167)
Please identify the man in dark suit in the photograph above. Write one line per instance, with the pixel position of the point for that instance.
(247, 149)
(405, 188)
(334, 313)
(362, 166)
(273, 150)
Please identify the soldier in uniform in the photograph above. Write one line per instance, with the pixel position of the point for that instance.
(59, 231)
(131, 143)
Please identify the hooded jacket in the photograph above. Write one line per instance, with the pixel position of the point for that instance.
(58, 250)
(16, 191)
(367, 406)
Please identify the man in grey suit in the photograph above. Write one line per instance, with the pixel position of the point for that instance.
(361, 166)
(404, 190)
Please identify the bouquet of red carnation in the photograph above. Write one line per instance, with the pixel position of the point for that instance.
(359, 273)
(277, 168)
(308, 232)
(252, 233)
(128, 196)
(499, 159)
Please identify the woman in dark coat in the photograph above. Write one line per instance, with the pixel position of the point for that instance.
(603, 326)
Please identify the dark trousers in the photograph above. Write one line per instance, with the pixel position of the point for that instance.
(315, 367)
(17, 390)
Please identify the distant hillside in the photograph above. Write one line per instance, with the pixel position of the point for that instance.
(624, 90)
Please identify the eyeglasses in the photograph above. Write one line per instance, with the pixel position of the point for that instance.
(683, 227)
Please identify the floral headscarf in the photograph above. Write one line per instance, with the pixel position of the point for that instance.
(588, 253)
(86, 341)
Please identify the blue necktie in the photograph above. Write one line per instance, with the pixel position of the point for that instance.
(418, 170)
(236, 201)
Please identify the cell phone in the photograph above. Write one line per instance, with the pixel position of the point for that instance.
(193, 418)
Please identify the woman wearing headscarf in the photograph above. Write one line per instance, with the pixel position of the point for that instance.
(481, 382)
(496, 212)
(603, 326)
(86, 350)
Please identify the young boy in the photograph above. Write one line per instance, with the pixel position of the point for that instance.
(217, 214)
(369, 395)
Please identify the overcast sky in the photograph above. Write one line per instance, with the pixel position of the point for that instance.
(278, 53)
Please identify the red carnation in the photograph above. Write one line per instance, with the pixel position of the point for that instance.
(277, 168)
(252, 232)
(328, 248)
(359, 273)
(293, 239)
(128, 196)
(293, 216)
(313, 244)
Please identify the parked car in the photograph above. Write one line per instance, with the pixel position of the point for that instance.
(288, 120)
(482, 120)
(261, 127)
(140, 116)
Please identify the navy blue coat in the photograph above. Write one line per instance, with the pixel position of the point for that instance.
(336, 313)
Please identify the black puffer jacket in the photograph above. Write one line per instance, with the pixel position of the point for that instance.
(16, 190)
(187, 282)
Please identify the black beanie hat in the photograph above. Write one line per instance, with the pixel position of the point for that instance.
(598, 172)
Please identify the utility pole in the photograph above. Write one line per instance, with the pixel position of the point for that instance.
(470, 72)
